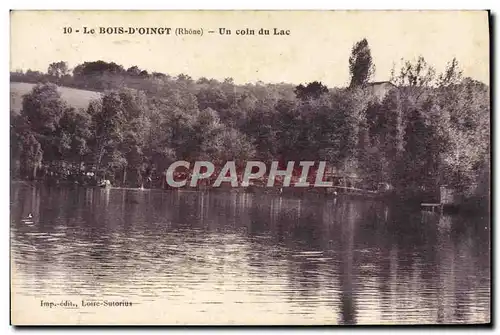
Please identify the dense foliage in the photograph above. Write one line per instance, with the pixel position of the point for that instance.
(427, 131)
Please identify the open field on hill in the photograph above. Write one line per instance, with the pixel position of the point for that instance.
(74, 97)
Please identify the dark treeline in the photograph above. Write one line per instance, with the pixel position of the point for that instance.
(427, 130)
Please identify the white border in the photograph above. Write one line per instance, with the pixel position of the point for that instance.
(185, 4)
(255, 4)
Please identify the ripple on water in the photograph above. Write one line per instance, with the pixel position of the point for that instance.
(243, 255)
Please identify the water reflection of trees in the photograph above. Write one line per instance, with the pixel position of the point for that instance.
(354, 256)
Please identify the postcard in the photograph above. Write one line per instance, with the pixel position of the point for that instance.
(250, 167)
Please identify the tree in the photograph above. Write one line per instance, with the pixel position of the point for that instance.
(74, 134)
(337, 134)
(34, 76)
(385, 129)
(289, 129)
(98, 75)
(133, 71)
(58, 69)
(121, 133)
(414, 74)
(452, 74)
(204, 131)
(424, 142)
(43, 108)
(261, 128)
(212, 97)
(107, 124)
(135, 132)
(467, 111)
(233, 146)
(361, 67)
(18, 128)
(311, 91)
(97, 67)
(31, 156)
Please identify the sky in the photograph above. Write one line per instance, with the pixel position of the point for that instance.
(317, 47)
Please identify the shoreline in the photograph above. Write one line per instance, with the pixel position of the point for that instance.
(411, 198)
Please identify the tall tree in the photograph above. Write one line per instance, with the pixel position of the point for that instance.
(107, 122)
(42, 110)
(136, 131)
(361, 67)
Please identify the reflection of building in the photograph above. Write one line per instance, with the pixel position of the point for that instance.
(380, 88)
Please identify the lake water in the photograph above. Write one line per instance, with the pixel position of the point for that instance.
(200, 258)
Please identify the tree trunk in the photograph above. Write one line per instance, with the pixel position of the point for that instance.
(99, 157)
(34, 171)
(124, 175)
(139, 178)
